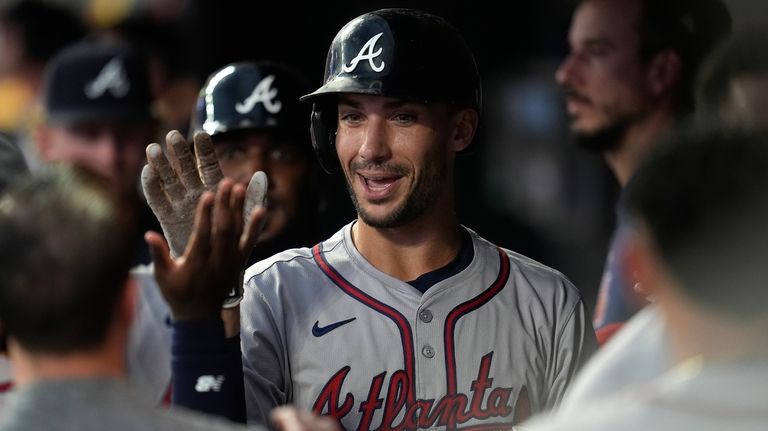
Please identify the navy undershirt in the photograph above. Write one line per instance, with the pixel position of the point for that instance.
(461, 261)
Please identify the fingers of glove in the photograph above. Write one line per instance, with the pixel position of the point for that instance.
(253, 226)
(236, 204)
(173, 187)
(207, 162)
(161, 254)
(256, 193)
(179, 150)
(153, 191)
(199, 246)
(223, 240)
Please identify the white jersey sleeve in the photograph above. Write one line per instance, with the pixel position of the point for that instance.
(325, 330)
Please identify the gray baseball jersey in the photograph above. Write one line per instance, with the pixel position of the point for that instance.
(325, 330)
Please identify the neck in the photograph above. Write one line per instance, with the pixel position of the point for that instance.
(103, 361)
(639, 138)
(406, 252)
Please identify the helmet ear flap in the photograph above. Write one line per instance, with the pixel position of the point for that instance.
(323, 131)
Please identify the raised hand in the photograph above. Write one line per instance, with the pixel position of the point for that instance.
(195, 284)
(173, 185)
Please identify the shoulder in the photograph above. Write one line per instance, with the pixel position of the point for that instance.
(280, 262)
(296, 259)
(524, 270)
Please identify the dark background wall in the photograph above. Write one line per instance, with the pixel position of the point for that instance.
(526, 186)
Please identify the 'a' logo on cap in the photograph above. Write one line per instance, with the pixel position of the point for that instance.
(112, 78)
(264, 93)
(366, 53)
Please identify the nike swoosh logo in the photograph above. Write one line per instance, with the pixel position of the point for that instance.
(318, 331)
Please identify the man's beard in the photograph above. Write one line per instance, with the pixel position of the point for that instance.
(423, 196)
(605, 139)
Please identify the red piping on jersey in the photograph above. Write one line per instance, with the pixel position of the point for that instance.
(406, 335)
(6, 386)
(464, 308)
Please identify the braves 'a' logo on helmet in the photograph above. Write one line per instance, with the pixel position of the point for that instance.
(367, 53)
(265, 93)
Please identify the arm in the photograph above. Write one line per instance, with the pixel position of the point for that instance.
(207, 373)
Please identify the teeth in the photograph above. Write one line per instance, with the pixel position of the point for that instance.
(374, 183)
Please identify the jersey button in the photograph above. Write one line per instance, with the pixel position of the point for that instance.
(428, 351)
(425, 316)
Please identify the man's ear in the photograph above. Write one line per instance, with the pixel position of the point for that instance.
(664, 72)
(465, 126)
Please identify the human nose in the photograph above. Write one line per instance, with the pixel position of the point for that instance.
(567, 70)
(375, 144)
(106, 154)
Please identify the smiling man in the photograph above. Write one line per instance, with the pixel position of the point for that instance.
(404, 317)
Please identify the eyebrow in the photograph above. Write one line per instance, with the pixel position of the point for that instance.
(599, 42)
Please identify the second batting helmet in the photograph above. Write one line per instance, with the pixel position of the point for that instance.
(401, 53)
(261, 95)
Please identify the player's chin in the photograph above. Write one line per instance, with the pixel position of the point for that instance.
(382, 213)
(588, 129)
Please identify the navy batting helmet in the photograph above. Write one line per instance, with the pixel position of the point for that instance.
(242, 96)
(401, 53)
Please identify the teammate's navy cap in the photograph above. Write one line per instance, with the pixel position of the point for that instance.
(92, 81)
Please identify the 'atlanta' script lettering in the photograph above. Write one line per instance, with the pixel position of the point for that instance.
(449, 411)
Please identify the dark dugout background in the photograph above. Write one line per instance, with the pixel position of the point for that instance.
(526, 186)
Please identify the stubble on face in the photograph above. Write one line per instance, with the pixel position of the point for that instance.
(426, 188)
(607, 137)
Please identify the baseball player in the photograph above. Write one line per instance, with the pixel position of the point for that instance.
(255, 121)
(252, 112)
(96, 105)
(404, 318)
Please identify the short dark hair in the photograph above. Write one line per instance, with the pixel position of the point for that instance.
(703, 196)
(64, 259)
(744, 54)
(692, 28)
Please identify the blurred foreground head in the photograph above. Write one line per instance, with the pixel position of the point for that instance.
(701, 201)
(64, 260)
